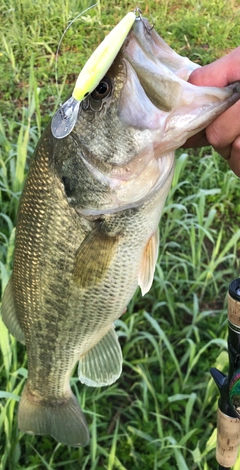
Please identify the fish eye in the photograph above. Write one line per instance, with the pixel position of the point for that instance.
(103, 89)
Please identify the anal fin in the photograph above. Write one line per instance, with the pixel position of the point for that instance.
(9, 314)
(102, 364)
(146, 274)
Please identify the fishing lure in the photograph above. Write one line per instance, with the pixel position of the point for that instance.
(93, 71)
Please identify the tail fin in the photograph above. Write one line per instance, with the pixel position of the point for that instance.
(65, 422)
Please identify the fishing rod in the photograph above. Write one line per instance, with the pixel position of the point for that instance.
(228, 414)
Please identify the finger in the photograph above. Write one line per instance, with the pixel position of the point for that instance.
(225, 129)
(219, 73)
(198, 140)
(234, 160)
(225, 152)
(231, 153)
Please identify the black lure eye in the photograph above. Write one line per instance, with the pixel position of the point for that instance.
(103, 89)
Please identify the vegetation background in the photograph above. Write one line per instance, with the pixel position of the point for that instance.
(161, 413)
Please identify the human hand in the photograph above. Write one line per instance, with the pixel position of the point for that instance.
(224, 133)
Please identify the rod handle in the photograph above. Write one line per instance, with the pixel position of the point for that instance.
(228, 439)
(234, 309)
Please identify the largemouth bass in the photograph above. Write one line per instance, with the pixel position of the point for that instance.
(87, 230)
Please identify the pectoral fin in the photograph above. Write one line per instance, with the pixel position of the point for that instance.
(145, 277)
(102, 364)
(93, 258)
(9, 314)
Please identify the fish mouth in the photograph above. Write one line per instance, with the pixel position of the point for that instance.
(157, 95)
(162, 110)
(155, 76)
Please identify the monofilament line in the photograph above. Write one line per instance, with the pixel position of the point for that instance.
(61, 39)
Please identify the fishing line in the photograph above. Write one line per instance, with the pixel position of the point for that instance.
(61, 39)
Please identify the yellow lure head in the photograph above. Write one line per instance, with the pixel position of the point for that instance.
(93, 71)
(101, 59)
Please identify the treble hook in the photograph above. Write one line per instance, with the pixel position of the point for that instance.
(138, 13)
(139, 17)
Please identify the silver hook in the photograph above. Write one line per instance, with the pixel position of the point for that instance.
(139, 17)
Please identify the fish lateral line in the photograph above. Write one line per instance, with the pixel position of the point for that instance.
(92, 73)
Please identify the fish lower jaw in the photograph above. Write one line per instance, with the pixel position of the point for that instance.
(134, 193)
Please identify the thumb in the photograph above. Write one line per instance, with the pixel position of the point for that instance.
(220, 73)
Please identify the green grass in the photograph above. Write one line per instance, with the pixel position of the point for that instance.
(161, 413)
